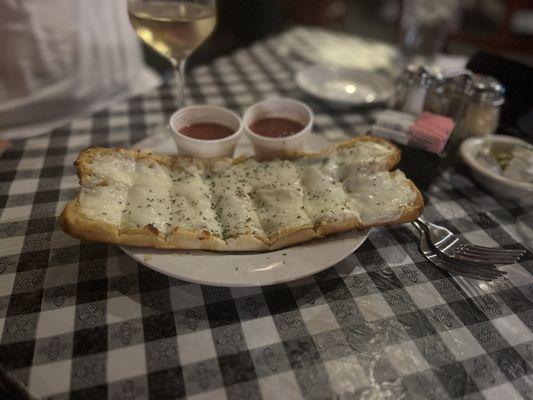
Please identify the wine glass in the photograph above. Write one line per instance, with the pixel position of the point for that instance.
(174, 28)
(424, 25)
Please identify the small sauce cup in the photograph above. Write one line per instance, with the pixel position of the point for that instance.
(205, 148)
(278, 108)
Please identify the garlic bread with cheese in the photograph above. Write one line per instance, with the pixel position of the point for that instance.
(243, 204)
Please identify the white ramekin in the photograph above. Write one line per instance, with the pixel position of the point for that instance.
(278, 108)
(499, 185)
(200, 148)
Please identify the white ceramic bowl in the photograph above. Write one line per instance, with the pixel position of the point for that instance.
(497, 184)
(188, 146)
(278, 108)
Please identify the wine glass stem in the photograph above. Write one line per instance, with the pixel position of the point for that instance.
(179, 74)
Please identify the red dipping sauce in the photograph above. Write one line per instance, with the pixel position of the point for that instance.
(276, 127)
(206, 131)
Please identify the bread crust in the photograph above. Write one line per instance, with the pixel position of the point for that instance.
(74, 223)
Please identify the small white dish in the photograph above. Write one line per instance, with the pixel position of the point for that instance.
(163, 143)
(246, 269)
(344, 86)
(278, 108)
(496, 183)
(188, 146)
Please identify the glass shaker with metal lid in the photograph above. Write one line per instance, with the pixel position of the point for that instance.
(485, 99)
(412, 87)
(455, 89)
(455, 92)
(436, 101)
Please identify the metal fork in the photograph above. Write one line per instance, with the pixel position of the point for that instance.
(449, 265)
(454, 246)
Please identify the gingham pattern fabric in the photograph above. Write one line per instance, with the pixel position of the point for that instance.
(81, 320)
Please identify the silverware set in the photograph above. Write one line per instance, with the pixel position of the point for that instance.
(453, 254)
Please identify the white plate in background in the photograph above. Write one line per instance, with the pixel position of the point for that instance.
(344, 86)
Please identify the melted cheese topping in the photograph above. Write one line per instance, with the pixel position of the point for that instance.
(278, 195)
(104, 193)
(116, 168)
(234, 203)
(328, 201)
(148, 198)
(367, 155)
(263, 199)
(192, 203)
(104, 203)
(379, 197)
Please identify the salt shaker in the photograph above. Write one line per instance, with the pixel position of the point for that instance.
(483, 108)
(416, 80)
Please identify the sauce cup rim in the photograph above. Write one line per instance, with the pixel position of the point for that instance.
(177, 113)
(305, 130)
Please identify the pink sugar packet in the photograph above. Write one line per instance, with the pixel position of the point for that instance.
(431, 132)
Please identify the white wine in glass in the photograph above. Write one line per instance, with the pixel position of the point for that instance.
(173, 28)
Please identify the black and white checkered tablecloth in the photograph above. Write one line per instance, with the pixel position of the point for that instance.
(83, 321)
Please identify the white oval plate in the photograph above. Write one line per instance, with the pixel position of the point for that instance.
(247, 269)
(250, 269)
(343, 85)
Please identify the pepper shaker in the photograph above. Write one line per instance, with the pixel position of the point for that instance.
(435, 99)
(483, 108)
(455, 93)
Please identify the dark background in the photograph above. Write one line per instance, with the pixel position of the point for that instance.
(482, 25)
